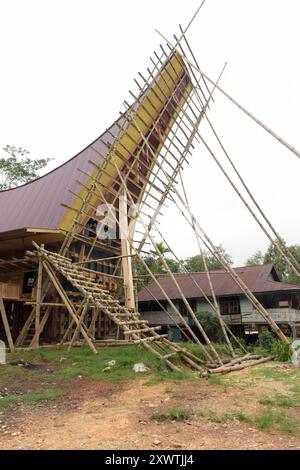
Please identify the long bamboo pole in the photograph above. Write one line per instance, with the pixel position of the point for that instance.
(38, 303)
(236, 103)
(6, 326)
(186, 303)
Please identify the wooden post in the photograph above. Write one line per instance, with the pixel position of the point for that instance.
(6, 326)
(38, 303)
(126, 258)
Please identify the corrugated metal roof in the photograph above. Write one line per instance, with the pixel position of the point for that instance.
(258, 279)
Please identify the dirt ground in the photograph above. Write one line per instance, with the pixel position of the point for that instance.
(119, 415)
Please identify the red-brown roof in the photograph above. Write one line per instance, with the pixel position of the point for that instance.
(38, 204)
(260, 278)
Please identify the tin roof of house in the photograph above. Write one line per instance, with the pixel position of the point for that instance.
(259, 279)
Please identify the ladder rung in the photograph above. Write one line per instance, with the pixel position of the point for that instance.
(133, 332)
(149, 339)
(169, 355)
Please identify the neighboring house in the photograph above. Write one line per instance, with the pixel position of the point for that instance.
(281, 300)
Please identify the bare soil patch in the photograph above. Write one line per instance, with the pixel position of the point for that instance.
(97, 414)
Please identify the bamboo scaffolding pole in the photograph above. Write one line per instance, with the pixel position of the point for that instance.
(38, 302)
(72, 323)
(245, 289)
(256, 304)
(206, 353)
(6, 326)
(241, 179)
(40, 329)
(200, 290)
(187, 305)
(224, 369)
(278, 243)
(69, 307)
(77, 329)
(168, 313)
(190, 139)
(215, 302)
(126, 259)
(237, 104)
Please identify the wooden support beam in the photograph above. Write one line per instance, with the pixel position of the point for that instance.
(126, 252)
(38, 302)
(38, 331)
(69, 307)
(6, 326)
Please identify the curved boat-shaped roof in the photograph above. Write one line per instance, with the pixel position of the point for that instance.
(38, 204)
(41, 204)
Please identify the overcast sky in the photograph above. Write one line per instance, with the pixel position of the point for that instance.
(67, 65)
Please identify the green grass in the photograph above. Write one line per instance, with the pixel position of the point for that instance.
(281, 401)
(81, 361)
(222, 418)
(215, 379)
(269, 419)
(173, 414)
(265, 420)
(292, 400)
(270, 373)
(45, 395)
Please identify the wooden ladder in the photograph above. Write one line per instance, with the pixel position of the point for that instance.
(129, 322)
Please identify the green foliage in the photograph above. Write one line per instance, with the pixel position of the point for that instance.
(196, 264)
(155, 264)
(281, 351)
(192, 264)
(282, 268)
(219, 418)
(285, 401)
(82, 362)
(211, 325)
(269, 344)
(18, 168)
(266, 340)
(265, 420)
(257, 258)
(173, 414)
(269, 419)
(44, 395)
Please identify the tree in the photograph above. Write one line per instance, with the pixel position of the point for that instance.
(257, 258)
(211, 325)
(18, 168)
(155, 264)
(272, 256)
(196, 264)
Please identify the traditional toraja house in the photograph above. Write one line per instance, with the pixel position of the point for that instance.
(68, 238)
(281, 300)
(46, 209)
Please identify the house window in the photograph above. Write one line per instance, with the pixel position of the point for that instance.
(283, 301)
(230, 306)
(183, 308)
(28, 282)
(152, 306)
